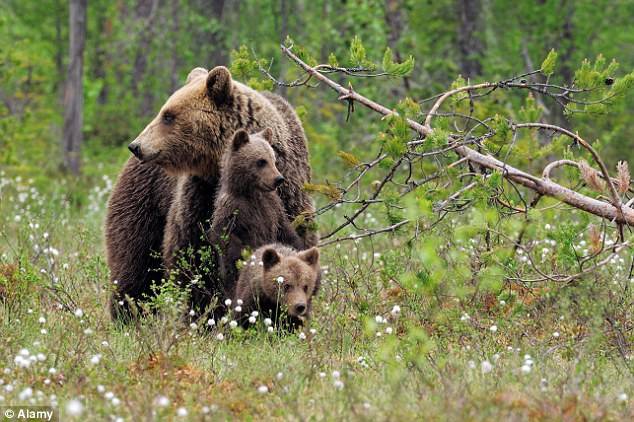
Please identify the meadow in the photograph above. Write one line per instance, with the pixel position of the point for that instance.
(376, 349)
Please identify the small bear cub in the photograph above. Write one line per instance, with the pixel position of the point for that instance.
(278, 278)
(248, 212)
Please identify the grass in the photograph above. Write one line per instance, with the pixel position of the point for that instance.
(378, 348)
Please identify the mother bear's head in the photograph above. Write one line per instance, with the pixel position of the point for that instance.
(190, 131)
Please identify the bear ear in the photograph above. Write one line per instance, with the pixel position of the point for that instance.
(219, 85)
(240, 138)
(195, 73)
(310, 256)
(270, 257)
(267, 134)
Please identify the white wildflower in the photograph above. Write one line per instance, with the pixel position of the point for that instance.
(25, 394)
(74, 408)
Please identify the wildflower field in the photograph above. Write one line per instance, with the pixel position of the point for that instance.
(380, 346)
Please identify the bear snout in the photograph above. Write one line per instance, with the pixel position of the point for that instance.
(135, 149)
(278, 181)
(299, 309)
(144, 155)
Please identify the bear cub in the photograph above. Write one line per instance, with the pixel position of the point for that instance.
(248, 211)
(279, 278)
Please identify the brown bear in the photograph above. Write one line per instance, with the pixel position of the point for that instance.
(165, 193)
(248, 212)
(279, 280)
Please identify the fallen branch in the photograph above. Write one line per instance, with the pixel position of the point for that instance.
(543, 186)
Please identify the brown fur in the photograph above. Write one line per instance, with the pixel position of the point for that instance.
(248, 212)
(259, 288)
(164, 197)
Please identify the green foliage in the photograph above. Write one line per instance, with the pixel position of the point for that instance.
(549, 63)
(246, 68)
(495, 180)
(332, 60)
(329, 191)
(530, 111)
(502, 130)
(357, 56)
(395, 138)
(349, 158)
(437, 139)
(593, 76)
(393, 209)
(397, 69)
(622, 85)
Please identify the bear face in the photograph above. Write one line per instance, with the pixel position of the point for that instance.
(248, 165)
(291, 280)
(190, 131)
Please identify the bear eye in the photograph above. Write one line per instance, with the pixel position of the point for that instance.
(287, 287)
(260, 163)
(168, 118)
(306, 289)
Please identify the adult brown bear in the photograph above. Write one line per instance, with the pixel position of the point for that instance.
(164, 196)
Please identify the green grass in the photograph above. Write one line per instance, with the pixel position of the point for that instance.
(430, 366)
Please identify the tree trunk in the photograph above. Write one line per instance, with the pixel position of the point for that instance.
(59, 51)
(470, 46)
(100, 56)
(283, 34)
(176, 47)
(395, 26)
(567, 50)
(219, 55)
(74, 91)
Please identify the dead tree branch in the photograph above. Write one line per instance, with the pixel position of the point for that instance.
(613, 211)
